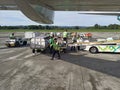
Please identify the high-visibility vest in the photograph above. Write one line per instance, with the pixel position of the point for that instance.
(64, 34)
(11, 36)
(51, 41)
(56, 46)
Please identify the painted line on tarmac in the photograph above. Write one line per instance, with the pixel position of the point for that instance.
(29, 55)
(7, 52)
(16, 56)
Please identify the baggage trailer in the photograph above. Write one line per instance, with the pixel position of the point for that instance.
(39, 44)
(29, 35)
(105, 47)
(108, 45)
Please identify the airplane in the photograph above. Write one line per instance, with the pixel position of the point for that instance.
(102, 13)
(42, 11)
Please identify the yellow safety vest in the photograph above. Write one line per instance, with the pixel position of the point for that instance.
(56, 46)
(64, 34)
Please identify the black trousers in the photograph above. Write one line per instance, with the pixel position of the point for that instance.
(51, 49)
(65, 39)
(56, 52)
(74, 48)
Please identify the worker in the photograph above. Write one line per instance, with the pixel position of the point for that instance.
(51, 41)
(12, 36)
(62, 45)
(65, 36)
(74, 40)
(89, 36)
(79, 40)
(51, 34)
(58, 34)
(56, 49)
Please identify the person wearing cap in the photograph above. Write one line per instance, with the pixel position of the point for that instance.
(65, 36)
(56, 49)
(51, 41)
(12, 36)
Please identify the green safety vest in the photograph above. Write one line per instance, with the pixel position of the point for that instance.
(12, 37)
(64, 34)
(56, 46)
(51, 41)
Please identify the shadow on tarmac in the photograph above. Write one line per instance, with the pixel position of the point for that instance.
(5, 47)
(101, 65)
(107, 67)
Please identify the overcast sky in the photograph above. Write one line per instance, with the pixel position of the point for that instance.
(11, 18)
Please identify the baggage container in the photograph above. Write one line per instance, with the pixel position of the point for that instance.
(29, 35)
(40, 43)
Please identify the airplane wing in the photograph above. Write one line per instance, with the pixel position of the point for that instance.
(43, 10)
(8, 5)
(100, 13)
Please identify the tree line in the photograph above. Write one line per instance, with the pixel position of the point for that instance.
(111, 26)
(96, 26)
(40, 27)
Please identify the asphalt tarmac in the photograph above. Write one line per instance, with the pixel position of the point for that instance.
(22, 70)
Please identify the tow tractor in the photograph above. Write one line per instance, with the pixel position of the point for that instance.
(16, 42)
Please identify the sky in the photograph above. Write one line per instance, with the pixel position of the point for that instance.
(13, 18)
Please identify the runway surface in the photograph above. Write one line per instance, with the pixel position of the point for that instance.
(22, 70)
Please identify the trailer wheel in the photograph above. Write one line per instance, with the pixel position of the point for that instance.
(8, 45)
(38, 50)
(25, 43)
(93, 50)
(17, 44)
(33, 50)
(43, 51)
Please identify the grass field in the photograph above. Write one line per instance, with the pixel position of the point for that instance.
(71, 30)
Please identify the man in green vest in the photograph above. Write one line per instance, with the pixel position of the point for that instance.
(12, 36)
(56, 49)
(65, 36)
(51, 41)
